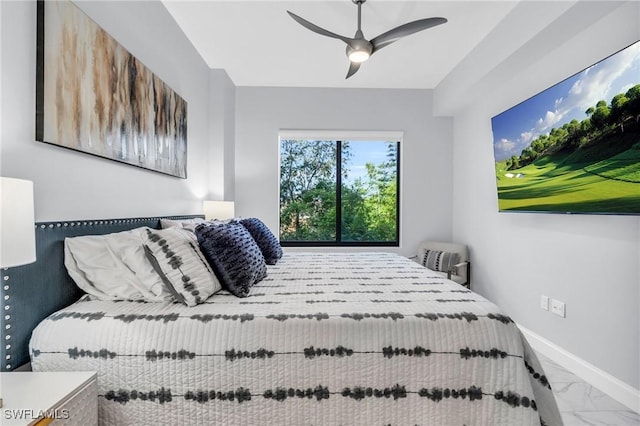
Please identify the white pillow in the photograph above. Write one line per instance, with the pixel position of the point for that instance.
(114, 267)
(189, 224)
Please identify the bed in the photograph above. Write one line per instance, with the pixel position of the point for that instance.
(324, 339)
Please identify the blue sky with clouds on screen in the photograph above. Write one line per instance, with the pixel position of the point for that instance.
(516, 128)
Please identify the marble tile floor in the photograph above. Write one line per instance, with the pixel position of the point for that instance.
(583, 405)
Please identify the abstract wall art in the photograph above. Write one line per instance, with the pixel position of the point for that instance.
(94, 96)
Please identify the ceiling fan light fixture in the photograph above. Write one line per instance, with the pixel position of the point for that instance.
(359, 49)
(359, 56)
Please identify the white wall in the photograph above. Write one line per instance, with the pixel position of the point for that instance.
(222, 104)
(74, 185)
(592, 263)
(426, 154)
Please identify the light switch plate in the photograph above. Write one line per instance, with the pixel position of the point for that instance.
(544, 302)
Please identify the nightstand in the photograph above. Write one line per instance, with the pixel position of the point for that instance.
(56, 398)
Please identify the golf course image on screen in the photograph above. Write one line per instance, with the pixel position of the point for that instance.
(575, 147)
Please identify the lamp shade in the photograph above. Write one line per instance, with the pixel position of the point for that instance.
(221, 210)
(17, 224)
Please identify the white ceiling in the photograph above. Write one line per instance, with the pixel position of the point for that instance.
(259, 44)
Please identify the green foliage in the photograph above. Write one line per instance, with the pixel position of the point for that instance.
(307, 190)
(372, 216)
(308, 196)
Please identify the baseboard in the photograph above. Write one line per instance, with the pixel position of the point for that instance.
(615, 388)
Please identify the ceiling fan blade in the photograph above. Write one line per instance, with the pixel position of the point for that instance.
(397, 33)
(353, 68)
(317, 29)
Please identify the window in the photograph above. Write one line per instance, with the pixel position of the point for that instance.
(339, 192)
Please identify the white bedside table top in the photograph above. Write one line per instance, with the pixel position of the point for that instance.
(38, 391)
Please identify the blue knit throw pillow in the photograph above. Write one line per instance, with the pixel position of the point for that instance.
(233, 255)
(268, 243)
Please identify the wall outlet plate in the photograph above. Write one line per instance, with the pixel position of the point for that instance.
(558, 308)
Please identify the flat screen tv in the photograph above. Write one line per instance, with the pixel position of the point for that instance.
(575, 147)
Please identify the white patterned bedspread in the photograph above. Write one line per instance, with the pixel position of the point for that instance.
(325, 339)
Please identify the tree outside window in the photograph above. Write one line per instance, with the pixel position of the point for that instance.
(339, 192)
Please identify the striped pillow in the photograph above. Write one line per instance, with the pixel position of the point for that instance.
(176, 257)
(440, 261)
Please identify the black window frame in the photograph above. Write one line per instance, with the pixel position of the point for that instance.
(338, 241)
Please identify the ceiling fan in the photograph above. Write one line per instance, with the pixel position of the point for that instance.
(360, 49)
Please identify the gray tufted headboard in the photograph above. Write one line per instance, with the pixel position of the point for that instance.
(32, 292)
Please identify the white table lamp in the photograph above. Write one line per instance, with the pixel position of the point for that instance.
(220, 210)
(17, 224)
